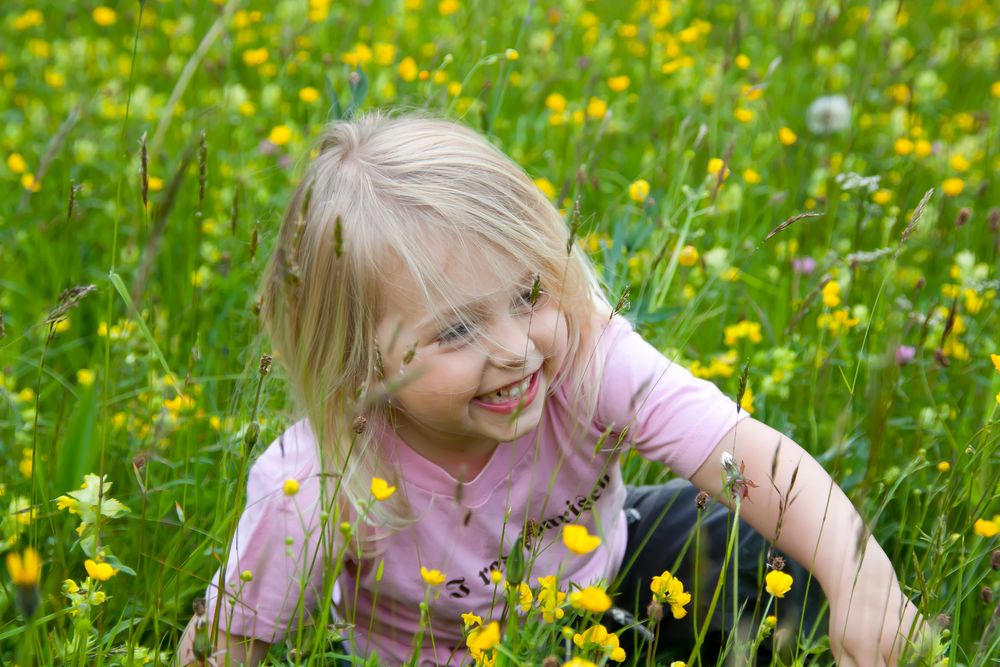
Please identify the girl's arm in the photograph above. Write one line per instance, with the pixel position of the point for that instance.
(870, 617)
(240, 650)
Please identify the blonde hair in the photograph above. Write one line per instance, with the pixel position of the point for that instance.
(381, 191)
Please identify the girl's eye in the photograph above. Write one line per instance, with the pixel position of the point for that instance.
(457, 331)
(529, 297)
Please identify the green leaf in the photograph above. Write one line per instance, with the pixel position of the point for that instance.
(123, 293)
(76, 453)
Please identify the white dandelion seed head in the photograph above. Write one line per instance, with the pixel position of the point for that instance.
(828, 114)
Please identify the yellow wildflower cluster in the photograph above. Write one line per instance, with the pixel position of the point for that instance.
(734, 333)
(550, 599)
(721, 365)
(598, 638)
(837, 322)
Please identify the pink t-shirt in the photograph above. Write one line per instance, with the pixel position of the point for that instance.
(551, 476)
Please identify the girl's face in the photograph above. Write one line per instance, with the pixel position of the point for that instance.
(464, 381)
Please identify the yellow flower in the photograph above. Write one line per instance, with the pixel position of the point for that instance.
(882, 197)
(751, 176)
(381, 489)
(669, 590)
(432, 577)
(550, 599)
(29, 183)
(786, 136)
(496, 576)
(639, 190)
(995, 358)
(545, 185)
(715, 166)
(100, 571)
(483, 638)
(385, 53)
(903, 146)
(742, 61)
(596, 108)
(771, 621)
(831, 294)
(16, 163)
(155, 183)
(953, 186)
(943, 466)
(555, 102)
(511, 54)
(959, 162)
(688, 256)
(408, 69)
(70, 586)
(743, 115)
(995, 89)
(254, 57)
(591, 598)
(578, 662)
(104, 16)
(678, 663)
(280, 135)
(619, 83)
(25, 569)
(747, 401)
(922, 148)
(524, 596)
(67, 503)
(578, 540)
(308, 94)
(246, 576)
(291, 487)
(986, 528)
(778, 583)
(447, 7)
(470, 620)
(85, 377)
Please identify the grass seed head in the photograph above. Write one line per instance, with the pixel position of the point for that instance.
(69, 300)
(143, 171)
(995, 559)
(265, 364)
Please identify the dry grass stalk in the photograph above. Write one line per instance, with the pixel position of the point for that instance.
(914, 219)
(791, 221)
(234, 216)
(74, 190)
(69, 300)
(574, 225)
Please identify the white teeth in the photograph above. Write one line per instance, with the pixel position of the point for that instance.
(508, 393)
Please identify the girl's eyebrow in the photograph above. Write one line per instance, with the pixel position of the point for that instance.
(475, 310)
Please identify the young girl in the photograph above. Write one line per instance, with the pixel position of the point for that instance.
(442, 331)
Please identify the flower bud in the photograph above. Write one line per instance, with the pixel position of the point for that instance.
(251, 435)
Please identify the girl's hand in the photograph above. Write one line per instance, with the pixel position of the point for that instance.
(871, 620)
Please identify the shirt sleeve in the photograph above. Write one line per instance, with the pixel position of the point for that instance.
(665, 412)
(273, 577)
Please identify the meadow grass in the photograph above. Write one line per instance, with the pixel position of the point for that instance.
(149, 149)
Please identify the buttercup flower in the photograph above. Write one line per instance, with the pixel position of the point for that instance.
(550, 599)
(638, 191)
(432, 577)
(291, 487)
(778, 583)
(578, 540)
(381, 489)
(986, 528)
(470, 620)
(591, 598)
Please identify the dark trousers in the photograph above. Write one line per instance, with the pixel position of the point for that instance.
(661, 519)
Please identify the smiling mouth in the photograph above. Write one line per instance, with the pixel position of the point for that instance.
(509, 397)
